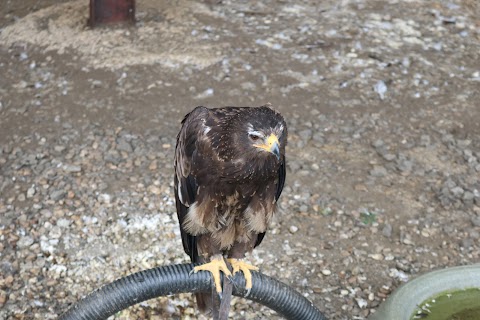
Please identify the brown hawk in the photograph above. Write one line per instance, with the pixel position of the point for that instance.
(229, 174)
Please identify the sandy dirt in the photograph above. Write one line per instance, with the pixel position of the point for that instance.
(382, 103)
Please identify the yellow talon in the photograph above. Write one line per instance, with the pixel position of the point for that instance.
(215, 265)
(239, 265)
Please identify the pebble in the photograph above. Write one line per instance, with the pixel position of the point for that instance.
(326, 272)
(376, 256)
(475, 221)
(378, 171)
(362, 303)
(25, 242)
(381, 88)
(56, 195)
(387, 230)
(87, 193)
(318, 137)
(3, 298)
(457, 191)
(389, 156)
(72, 168)
(31, 192)
(124, 145)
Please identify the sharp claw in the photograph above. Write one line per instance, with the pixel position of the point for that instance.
(216, 267)
(246, 269)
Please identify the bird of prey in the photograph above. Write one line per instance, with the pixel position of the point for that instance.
(229, 174)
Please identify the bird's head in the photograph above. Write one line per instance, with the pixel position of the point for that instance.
(263, 142)
(266, 132)
(252, 137)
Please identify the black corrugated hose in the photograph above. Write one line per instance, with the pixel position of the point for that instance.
(173, 279)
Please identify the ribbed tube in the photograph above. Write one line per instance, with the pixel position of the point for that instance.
(167, 280)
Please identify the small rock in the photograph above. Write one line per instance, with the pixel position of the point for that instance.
(248, 86)
(404, 165)
(71, 168)
(63, 223)
(25, 242)
(362, 303)
(303, 208)
(387, 230)
(381, 88)
(378, 171)
(55, 232)
(112, 158)
(9, 280)
(293, 229)
(205, 94)
(124, 145)
(376, 256)
(3, 298)
(457, 191)
(425, 140)
(468, 196)
(318, 137)
(398, 274)
(31, 191)
(59, 148)
(476, 221)
(326, 272)
(56, 195)
(154, 189)
(425, 232)
(153, 166)
(389, 156)
(104, 198)
(360, 187)
(378, 144)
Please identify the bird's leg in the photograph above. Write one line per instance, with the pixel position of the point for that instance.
(216, 264)
(240, 265)
(236, 256)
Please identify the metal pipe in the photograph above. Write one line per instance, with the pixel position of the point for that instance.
(111, 11)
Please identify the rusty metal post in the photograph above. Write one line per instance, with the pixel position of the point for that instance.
(111, 11)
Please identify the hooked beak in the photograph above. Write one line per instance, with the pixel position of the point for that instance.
(275, 150)
(271, 145)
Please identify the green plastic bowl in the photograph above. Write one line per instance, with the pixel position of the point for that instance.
(404, 301)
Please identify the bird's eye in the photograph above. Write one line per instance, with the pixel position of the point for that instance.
(254, 137)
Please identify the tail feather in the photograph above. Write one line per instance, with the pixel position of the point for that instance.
(204, 302)
(211, 304)
(226, 299)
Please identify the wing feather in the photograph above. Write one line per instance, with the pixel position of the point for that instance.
(281, 182)
(193, 128)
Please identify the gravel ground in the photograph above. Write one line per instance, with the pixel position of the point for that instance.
(381, 99)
